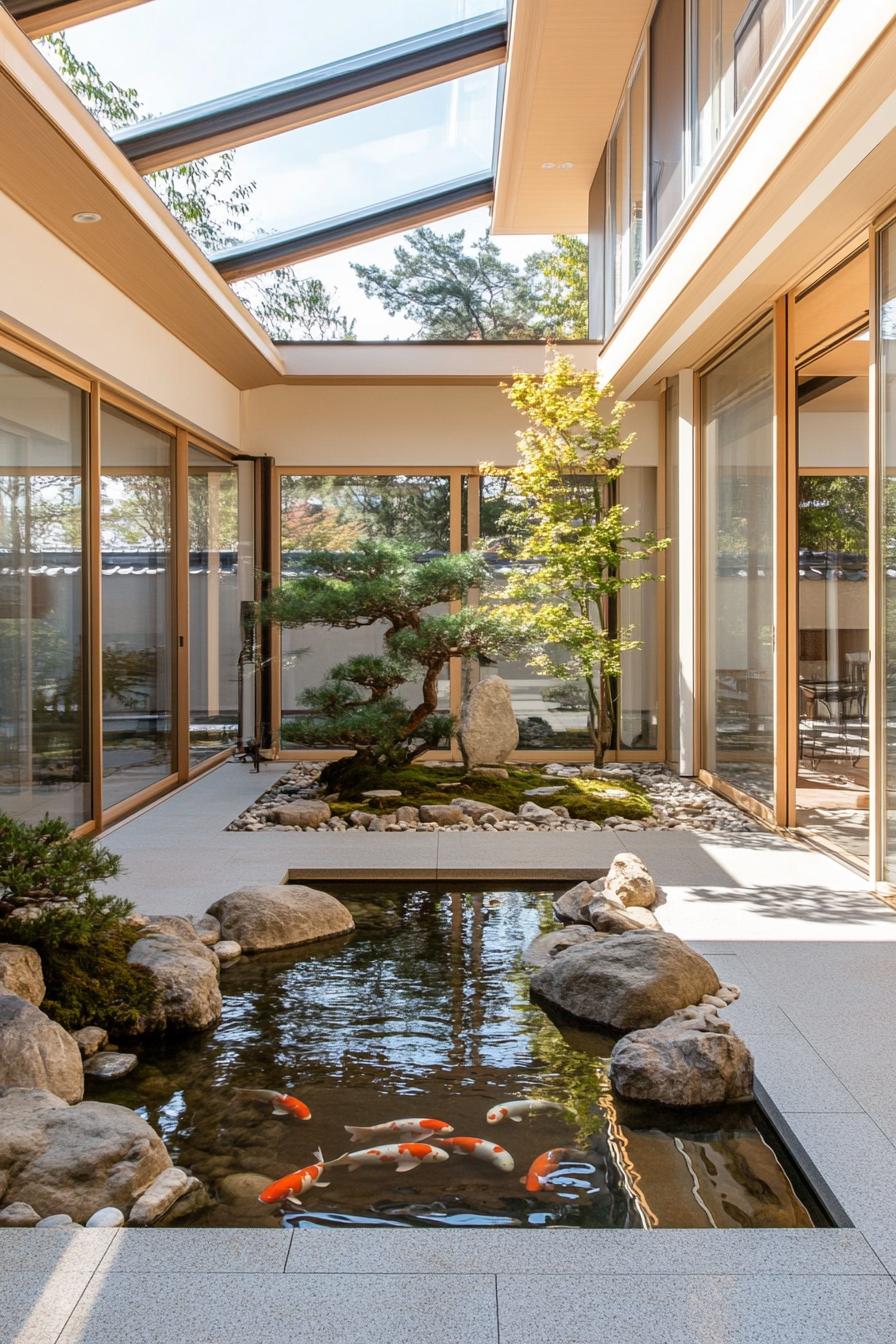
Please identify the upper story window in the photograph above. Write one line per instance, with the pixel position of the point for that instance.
(699, 61)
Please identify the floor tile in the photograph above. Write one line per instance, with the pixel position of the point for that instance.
(610, 1251)
(707, 1309)
(199, 1250)
(286, 1309)
(42, 1250)
(35, 1307)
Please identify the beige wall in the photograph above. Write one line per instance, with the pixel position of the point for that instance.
(58, 298)
(398, 425)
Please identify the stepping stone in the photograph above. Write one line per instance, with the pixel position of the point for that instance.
(109, 1065)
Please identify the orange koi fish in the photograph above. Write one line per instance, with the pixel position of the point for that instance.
(406, 1156)
(281, 1102)
(408, 1129)
(515, 1110)
(544, 1166)
(484, 1149)
(296, 1183)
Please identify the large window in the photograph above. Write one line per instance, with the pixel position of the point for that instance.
(214, 603)
(667, 77)
(333, 513)
(639, 612)
(137, 664)
(738, 585)
(44, 755)
(886, 521)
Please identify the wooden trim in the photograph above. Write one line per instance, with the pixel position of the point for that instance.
(51, 18)
(733, 795)
(783, 561)
(31, 354)
(877, 604)
(138, 800)
(203, 767)
(661, 597)
(832, 471)
(93, 592)
(138, 412)
(180, 602)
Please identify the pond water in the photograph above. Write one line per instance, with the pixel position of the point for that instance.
(424, 1011)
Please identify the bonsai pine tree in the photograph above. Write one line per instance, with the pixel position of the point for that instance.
(382, 582)
(578, 546)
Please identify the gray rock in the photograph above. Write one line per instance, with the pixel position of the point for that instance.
(108, 1217)
(176, 926)
(628, 981)
(409, 816)
(265, 917)
(109, 1066)
(36, 1052)
(75, 1159)
(227, 951)
(21, 973)
(572, 906)
(381, 795)
(547, 945)
(545, 791)
(629, 879)
(443, 814)
(691, 1059)
(209, 930)
(306, 813)
(89, 1040)
(487, 729)
(474, 808)
(607, 917)
(187, 977)
(240, 1185)
(18, 1215)
(490, 771)
(167, 1188)
(56, 1220)
(540, 815)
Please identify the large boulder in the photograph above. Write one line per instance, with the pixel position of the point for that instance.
(628, 981)
(186, 973)
(306, 813)
(547, 945)
(629, 880)
(476, 810)
(572, 906)
(691, 1059)
(443, 814)
(609, 916)
(21, 973)
(487, 730)
(37, 1052)
(75, 1159)
(266, 917)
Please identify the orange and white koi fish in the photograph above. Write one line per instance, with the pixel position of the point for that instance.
(408, 1129)
(296, 1183)
(515, 1110)
(281, 1102)
(546, 1164)
(484, 1149)
(406, 1156)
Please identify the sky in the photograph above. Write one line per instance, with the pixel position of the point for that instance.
(373, 155)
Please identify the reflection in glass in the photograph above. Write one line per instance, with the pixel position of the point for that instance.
(887, 412)
(335, 513)
(636, 238)
(667, 114)
(638, 611)
(737, 607)
(135, 544)
(671, 586)
(618, 197)
(44, 761)
(214, 604)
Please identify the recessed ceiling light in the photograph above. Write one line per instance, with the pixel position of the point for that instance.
(567, 164)
(549, 165)
(87, 217)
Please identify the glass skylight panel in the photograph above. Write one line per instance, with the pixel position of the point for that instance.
(178, 53)
(415, 143)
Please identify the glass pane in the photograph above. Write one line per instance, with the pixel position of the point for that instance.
(666, 114)
(638, 610)
(214, 598)
(636, 175)
(135, 541)
(366, 158)
(702, 85)
(671, 586)
(887, 412)
(44, 756)
(333, 513)
(153, 48)
(738, 413)
(619, 209)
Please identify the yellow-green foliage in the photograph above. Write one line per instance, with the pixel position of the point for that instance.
(586, 799)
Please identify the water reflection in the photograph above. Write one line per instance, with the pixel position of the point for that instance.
(428, 1000)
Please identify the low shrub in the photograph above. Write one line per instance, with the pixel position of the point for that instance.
(45, 863)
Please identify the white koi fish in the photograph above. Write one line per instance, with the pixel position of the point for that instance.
(515, 1110)
(484, 1149)
(405, 1156)
(408, 1129)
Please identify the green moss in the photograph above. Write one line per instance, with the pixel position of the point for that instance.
(586, 799)
(83, 949)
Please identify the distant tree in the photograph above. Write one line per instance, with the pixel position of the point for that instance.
(833, 513)
(459, 291)
(213, 209)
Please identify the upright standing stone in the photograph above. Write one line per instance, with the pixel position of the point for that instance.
(488, 730)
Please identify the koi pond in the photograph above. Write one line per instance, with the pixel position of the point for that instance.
(424, 1011)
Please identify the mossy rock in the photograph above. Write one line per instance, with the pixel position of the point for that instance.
(585, 799)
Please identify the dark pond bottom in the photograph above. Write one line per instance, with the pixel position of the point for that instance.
(424, 1011)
